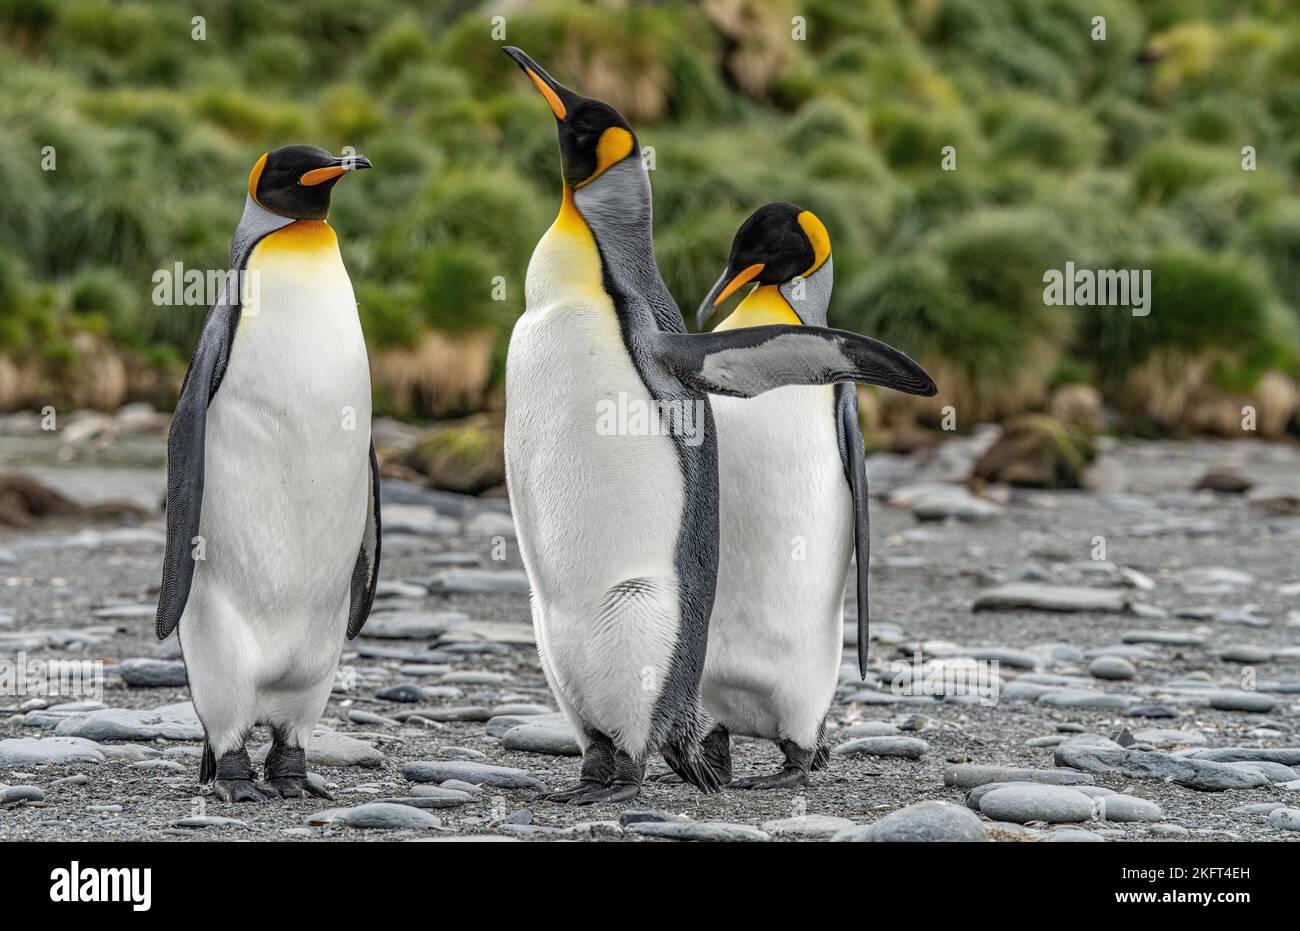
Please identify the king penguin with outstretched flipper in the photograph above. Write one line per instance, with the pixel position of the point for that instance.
(618, 528)
(272, 484)
(792, 509)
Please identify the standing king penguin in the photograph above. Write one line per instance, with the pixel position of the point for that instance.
(272, 483)
(619, 533)
(793, 507)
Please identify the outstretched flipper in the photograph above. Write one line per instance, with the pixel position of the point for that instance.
(748, 361)
(365, 574)
(853, 455)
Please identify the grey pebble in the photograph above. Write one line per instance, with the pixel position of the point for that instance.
(152, 673)
(1128, 808)
(501, 777)
(871, 729)
(411, 625)
(444, 795)
(1028, 801)
(406, 692)
(549, 734)
(712, 831)
(171, 722)
(641, 817)
(1287, 756)
(1085, 700)
(209, 821)
(1246, 653)
(44, 751)
(1276, 772)
(11, 795)
(970, 775)
(929, 821)
(1285, 819)
(385, 815)
(1240, 700)
(1075, 836)
(911, 748)
(1163, 637)
(1112, 668)
(1192, 773)
(480, 581)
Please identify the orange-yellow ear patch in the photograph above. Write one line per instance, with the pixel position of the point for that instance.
(818, 237)
(557, 105)
(321, 175)
(615, 144)
(255, 176)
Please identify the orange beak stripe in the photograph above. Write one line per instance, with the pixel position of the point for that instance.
(321, 175)
(552, 98)
(747, 275)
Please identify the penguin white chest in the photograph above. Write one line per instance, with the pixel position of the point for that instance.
(785, 541)
(286, 480)
(598, 509)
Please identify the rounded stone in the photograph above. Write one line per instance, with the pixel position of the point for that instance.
(10, 795)
(1128, 808)
(390, 816)
(929, 822)
(1034, 802)
(713, 831)
(1285, 819)
(1240, 700)
(911, 748)
(1075, 836)
(1114, 668)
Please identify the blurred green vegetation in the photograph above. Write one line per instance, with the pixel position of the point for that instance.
(1123, 153)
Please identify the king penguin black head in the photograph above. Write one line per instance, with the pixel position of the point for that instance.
(778, 243)
(296, 181)
(594, 137)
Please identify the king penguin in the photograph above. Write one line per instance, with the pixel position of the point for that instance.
(793, 508)
(618, 528)
(272, 484)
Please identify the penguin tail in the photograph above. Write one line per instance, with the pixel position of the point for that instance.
(703, 762)
(208, 766)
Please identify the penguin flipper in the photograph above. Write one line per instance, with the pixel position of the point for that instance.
(185, 451)
(748, 361)
(365, 574)
(853, 456)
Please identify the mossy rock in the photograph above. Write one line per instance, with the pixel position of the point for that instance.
(1037, 451)
(465, 456)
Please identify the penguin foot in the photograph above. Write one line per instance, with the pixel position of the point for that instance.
(294, 787)
(669, 778)
(619, 792)
(784, 779)
(564, 795)
(286, 773)
(238, 790)
(234, 778)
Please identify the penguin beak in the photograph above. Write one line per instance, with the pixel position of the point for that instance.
(558, 97)
(723, 288)
(341, 166)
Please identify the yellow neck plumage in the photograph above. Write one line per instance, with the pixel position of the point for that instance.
(763, 306)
